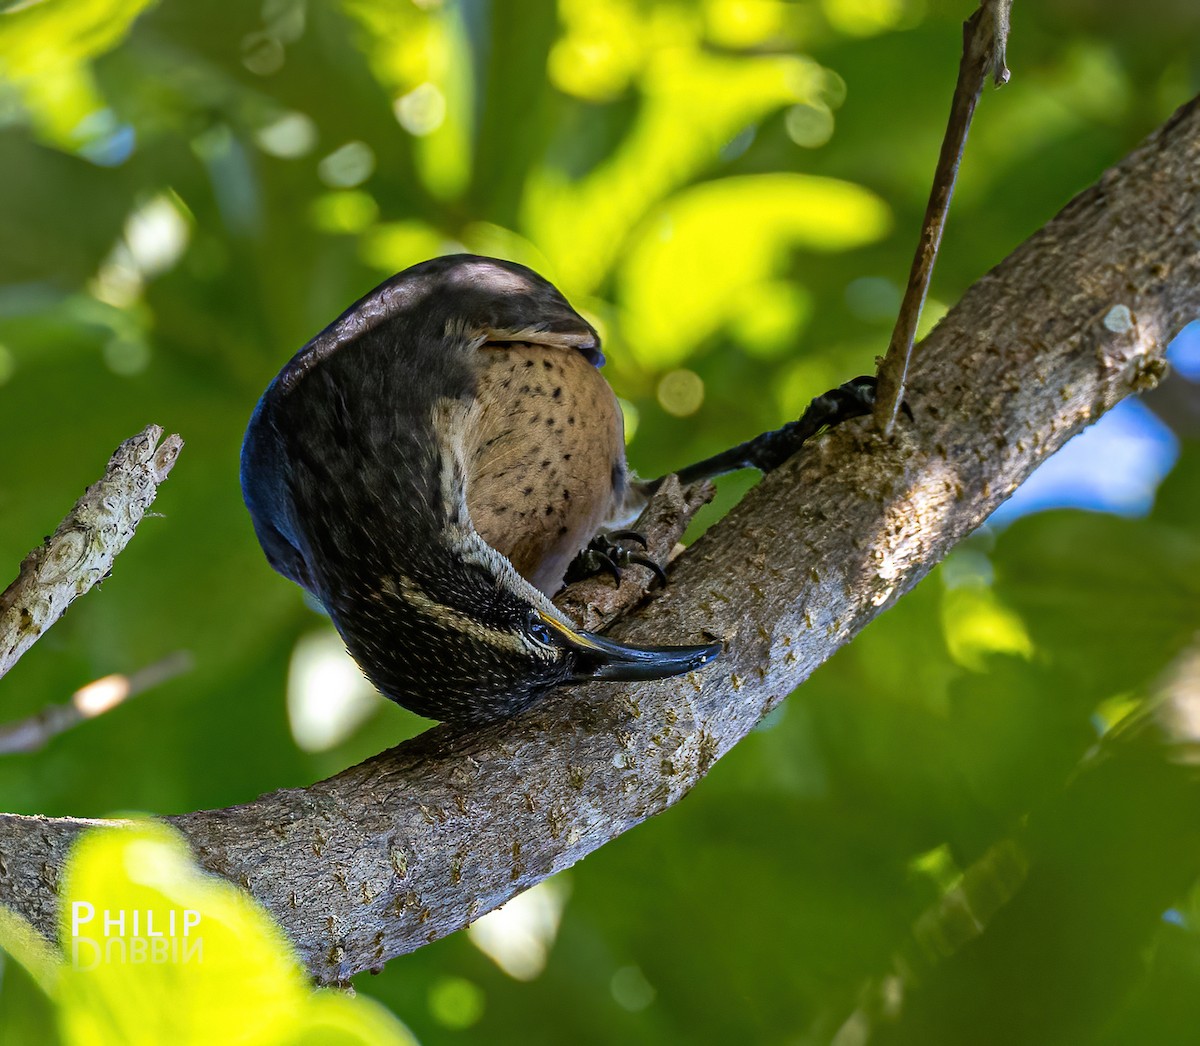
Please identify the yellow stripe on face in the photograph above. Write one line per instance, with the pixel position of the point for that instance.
(455, 621)
(576, 639)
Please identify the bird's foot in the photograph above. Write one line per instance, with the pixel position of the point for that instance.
(853, 399)
(604, 554)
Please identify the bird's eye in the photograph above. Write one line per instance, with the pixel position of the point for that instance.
(540, 633)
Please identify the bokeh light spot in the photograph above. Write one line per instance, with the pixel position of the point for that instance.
(1184, 352)
(328, 698)
(397, 245)
(868, 17)
(346, 211)
(743, 23)
(977, 625)
(810, 126)
(833, 89)
(518, 936)
(455, 1002)
(422, 111)
(769, 317)
(157, 234)
(262, 53)
(601, 51)
(680, 392)
(632, 417)
(348, 166)
(290, 136)
(104, 141)
(126, 356)
(631, 990)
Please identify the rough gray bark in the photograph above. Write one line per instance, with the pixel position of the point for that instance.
(420, 840)
(81, 551)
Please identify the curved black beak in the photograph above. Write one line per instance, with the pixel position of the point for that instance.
(601, 658)
(604, 659)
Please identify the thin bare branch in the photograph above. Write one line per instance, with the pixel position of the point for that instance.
(88, 702)
(81, 551)
(985, 36)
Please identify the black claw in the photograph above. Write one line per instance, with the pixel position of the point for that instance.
(608, 563)
(770, 450)
(604, 555)
(853, 399)
(649, 564)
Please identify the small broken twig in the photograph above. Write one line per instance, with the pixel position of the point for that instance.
(97, 697)
(81, 551)
(985, 35)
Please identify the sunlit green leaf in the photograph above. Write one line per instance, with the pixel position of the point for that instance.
(393, 246)
(421, 53)
(978, 625)
(157, 952)
(199, 942)
(692, 104)
(867, 17)
(45, 48)
(696, 263)
(26, 946)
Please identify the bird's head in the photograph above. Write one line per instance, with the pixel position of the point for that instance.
(469, 640)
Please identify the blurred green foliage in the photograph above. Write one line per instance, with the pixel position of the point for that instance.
(730, 189)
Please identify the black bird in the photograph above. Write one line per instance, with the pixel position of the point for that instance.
(431, 463)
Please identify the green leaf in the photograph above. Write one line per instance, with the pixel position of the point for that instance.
(1110, 601)
(46, 48)
(159, 952)
(696, 264)
(24, 944)
(693, 104)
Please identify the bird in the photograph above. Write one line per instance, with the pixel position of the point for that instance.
(431, 465)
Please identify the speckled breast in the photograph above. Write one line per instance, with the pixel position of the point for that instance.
(546, 469)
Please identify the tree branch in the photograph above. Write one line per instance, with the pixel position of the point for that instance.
(420, 840)
(81, 551)
(985, 36)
